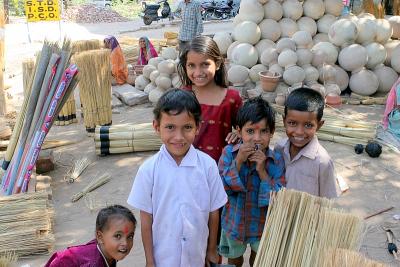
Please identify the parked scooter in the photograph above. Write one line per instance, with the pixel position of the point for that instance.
(151, 11)
(218, 10)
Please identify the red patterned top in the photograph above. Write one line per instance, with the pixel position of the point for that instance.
(216, 124)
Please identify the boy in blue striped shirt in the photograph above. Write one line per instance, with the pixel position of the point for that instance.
(250, 170)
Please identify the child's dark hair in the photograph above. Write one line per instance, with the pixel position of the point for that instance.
(255, 110)
(103, 218)
(175, 101)
(206, 46)
(305, 99)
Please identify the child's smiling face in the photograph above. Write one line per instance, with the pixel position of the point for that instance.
(200, 69)
(256, 134)
(177, 132)
(116, 240)
(301, 126)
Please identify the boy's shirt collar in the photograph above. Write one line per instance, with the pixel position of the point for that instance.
(310, 150)
(269, 153)
(189, 160)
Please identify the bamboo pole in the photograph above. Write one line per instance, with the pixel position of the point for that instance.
(3, 106)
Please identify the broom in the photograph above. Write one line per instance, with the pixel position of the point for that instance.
(7, 259)
(79, 166)
(347, 258)
(94, 184)
(300, 226)
(28, 70)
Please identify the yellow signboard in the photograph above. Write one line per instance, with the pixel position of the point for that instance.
(42, 10)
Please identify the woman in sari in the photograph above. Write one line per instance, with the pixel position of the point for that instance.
(146, 51)
(119, 69)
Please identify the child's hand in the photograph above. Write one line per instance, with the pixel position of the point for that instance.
(245, 150)
(211, 256)
(232, 138)
(259, 158)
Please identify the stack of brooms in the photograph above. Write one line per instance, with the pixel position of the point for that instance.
(340, 129)
(48, 90)
(67, 114)
(126, 138)
(95, 87)
(300, 228)
(26, 225)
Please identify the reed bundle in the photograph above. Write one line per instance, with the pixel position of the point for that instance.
(300, 227)
(347, 258)
(85, 45)
(26, 224)
(78, 168)
(94, 184)
(95, 86)
(126, 138)
(67, 114)
(51, 86)
(28, 70)
(7, 259)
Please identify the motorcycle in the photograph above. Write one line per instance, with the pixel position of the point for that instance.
(218, 10)
(151, 11)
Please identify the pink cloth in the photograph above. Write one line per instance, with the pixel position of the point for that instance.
(146, 53)
(78, 256)
(391, 103)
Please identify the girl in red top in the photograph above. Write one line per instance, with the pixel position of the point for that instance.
(202, 71)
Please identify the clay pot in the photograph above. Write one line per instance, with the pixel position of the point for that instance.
(269, 80)
(333, 100)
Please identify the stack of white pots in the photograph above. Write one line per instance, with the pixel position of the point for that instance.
(308, 42)
(159, 75)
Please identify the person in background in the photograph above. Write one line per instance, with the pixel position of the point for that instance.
(115, 229)
(146, 51)
(192, 23)
(119, 68)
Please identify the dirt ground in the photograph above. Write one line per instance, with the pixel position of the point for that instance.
(374, 183)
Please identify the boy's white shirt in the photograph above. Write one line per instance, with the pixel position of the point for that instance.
(180, 199)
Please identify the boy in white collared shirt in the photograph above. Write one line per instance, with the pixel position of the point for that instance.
(309, 167)
(178, 190)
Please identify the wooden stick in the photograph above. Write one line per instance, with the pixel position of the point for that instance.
(378, 212)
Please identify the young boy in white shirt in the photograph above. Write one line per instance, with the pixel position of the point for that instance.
(178, 190)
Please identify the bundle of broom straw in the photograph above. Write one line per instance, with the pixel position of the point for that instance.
(126, 138)
(26, 224)
(85, 45)
(340, 129)
(95, 87)
(67, 114)
(28, 70)
(347, 258)
(7, 259)
(300, 227)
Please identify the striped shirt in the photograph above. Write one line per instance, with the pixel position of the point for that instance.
(192, 24)
(243, 217)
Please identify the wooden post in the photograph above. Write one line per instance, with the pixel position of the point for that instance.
(3, 107)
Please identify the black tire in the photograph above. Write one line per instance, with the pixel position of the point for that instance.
(147, 20)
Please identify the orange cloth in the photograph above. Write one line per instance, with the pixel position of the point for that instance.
(119, 69)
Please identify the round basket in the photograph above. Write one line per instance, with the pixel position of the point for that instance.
(269, 80)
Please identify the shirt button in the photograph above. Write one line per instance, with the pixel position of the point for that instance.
(184, 239)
